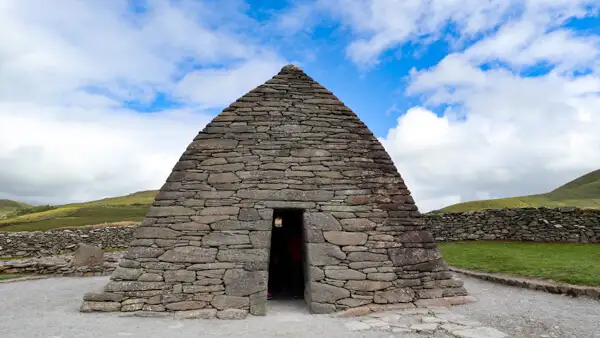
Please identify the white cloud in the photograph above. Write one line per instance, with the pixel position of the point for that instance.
(523, 44)
(381, 25)
(301, 17)
(385, 24)
(510, 143)
(215, 87)
(74, 43)
(47, 156)
(518, 135)
(67, 66)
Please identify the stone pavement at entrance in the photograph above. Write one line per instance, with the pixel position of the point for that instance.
(438, 323)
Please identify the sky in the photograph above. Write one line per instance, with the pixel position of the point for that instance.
(473, 99)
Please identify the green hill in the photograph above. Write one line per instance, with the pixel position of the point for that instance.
(7, 207)
(128, 208)
(582, 192)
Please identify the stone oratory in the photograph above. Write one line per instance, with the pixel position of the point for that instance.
(286, 158)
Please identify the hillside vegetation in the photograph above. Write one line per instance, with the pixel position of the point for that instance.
(583, 192)
(132, 207)
(8, 207)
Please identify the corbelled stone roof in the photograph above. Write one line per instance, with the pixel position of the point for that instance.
(292, 111)
(289, 143)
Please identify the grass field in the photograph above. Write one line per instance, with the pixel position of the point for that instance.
(560, 262)
(6, 276)
(583, 192)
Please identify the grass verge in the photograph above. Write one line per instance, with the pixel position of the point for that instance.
(7, 276)
(561, 262)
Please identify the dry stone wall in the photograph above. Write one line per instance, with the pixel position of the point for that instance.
(62, 241)
(60, 265)
(526, 224)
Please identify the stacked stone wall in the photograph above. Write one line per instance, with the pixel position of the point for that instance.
(63, 241)
(568, 225)
(60, 265)
(520, 224)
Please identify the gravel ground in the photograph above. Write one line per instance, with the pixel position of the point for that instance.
(49, 308)
(529, 313)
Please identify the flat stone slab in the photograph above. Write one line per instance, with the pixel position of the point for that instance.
(420, 322)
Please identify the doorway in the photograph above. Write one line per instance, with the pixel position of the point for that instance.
(286, 258)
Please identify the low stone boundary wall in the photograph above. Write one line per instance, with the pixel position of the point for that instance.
(63, 241)
(534, 284)
(61, 265)
(527, 224)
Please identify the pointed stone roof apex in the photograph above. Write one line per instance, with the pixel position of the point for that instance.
(291, 67)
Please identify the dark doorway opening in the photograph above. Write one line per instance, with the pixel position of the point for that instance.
(286, 259)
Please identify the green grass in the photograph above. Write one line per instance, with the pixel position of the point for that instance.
(583, 192)
(561, 262)
(6, 276)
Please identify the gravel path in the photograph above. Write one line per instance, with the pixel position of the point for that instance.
(528, 313)
(49, 308)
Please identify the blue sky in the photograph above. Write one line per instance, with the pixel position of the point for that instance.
(473, 98)
(376, 94)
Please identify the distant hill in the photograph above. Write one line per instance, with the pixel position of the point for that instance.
(128, 208)
(582, 192)
(8, 207)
